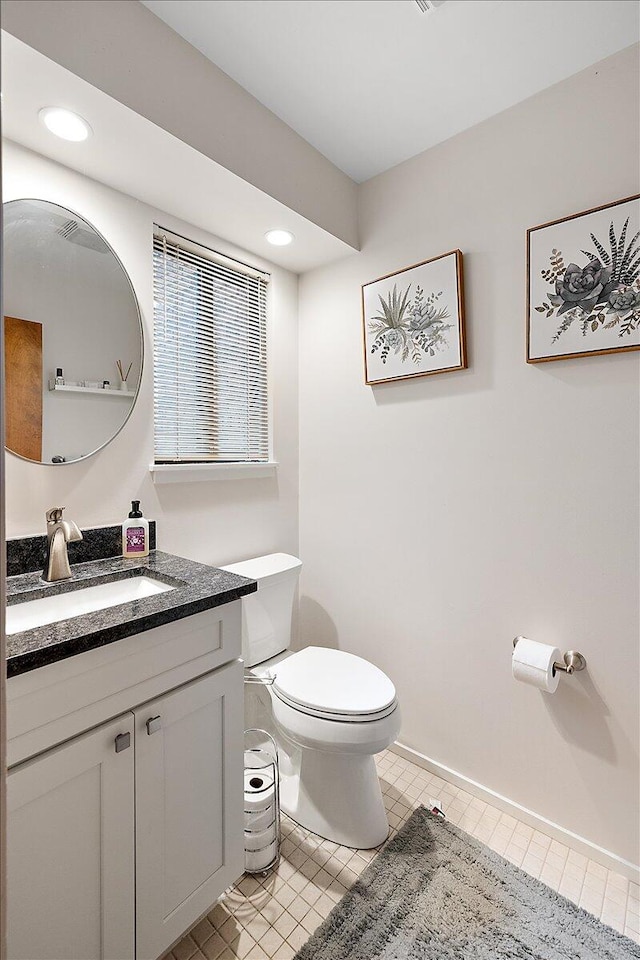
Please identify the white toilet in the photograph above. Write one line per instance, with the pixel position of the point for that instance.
(333, 712)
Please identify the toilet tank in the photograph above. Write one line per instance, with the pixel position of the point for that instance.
(266, 615)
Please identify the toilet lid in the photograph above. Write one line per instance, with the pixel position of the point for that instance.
(335, 683)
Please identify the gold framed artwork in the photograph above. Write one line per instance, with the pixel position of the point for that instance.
(413, 321)
(583, 283)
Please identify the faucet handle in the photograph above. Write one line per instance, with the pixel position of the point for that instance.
(54, 515)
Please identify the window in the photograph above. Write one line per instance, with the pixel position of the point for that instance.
(210, 360)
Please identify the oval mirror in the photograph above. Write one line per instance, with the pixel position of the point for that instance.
(73, 335)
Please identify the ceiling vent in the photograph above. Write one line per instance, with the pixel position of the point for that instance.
(428, 6)
(67, 228)
(72, 231)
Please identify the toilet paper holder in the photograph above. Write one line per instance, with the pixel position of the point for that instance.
(573, 660)
(262, 762)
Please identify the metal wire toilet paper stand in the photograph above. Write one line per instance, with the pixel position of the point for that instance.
(261, 819)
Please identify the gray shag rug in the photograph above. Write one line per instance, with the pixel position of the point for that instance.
(434, 893)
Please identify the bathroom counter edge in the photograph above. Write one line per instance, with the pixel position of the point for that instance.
(199, 587)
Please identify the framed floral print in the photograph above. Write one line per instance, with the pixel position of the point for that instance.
(583, 283)
(413, 321)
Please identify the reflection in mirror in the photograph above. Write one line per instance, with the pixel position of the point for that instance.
(73, 335)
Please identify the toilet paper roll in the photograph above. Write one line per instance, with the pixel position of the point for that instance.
(260, 820)
(256, 841)
(532, 663)
(259, 790)
(257, 860)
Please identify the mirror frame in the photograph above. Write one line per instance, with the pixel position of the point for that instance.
(42, 463)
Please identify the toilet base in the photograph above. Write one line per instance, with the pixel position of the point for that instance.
(337, 796)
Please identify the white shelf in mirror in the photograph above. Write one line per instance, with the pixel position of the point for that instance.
(102, 391)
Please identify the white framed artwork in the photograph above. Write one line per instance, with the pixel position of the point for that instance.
(583, 283)
(413, 321)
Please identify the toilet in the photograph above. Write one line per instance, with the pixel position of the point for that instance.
(332, 711)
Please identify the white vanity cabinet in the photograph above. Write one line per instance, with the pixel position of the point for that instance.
(122, 836)
(189, 810)
(70, 850)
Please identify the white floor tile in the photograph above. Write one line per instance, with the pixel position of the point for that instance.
(272, 917)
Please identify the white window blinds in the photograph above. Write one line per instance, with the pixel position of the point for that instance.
(210, 359)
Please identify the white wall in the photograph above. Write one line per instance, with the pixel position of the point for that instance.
(442, 516)
(214, 522)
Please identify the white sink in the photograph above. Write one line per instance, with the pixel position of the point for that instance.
(75, 603)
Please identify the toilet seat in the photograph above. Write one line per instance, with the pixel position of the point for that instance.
(334, 685)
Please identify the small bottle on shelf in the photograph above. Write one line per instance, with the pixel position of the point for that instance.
(59, 377)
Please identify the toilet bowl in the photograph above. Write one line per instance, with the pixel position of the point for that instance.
(332, 712)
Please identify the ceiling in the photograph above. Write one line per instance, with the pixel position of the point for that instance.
(370, 83)
(133, 155)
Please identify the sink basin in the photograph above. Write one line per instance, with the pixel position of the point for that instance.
(75, 603)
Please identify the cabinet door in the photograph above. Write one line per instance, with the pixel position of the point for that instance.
(70, 846)
(189, 788)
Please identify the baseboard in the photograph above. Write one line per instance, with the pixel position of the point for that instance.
(591, 850)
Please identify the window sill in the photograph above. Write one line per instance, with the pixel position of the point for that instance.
(197, 472)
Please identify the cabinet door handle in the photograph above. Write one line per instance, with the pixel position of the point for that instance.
(123, 742)
(153, 725)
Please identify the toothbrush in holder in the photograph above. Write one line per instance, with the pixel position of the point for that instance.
(123, 376)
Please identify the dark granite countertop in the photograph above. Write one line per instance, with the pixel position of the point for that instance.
(197, 587)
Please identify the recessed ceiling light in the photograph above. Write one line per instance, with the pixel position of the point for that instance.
(64, 123)
(279, 238)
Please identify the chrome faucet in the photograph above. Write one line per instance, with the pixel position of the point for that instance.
(59, 533)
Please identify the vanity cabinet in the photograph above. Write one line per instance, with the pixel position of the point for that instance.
(189, 811)
(70, 850)
(120, 838)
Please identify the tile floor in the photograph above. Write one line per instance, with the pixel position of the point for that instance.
(272, 916)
